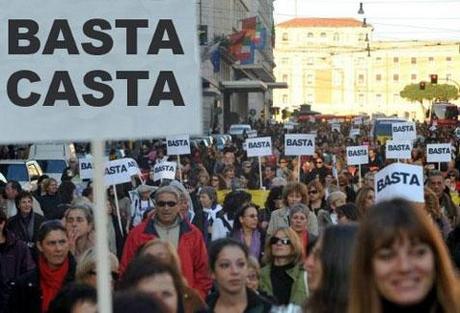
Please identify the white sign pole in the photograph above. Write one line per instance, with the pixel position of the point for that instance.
(360, 181)
(260, 173)
(298, 170)
(439, 166)
(180, 168)
(117, 207)
(104, 295)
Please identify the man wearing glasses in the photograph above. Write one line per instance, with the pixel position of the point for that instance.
(167, 224)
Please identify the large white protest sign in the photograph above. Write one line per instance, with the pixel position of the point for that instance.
(358, 120)
(178, 145)
(439, 152)
(355, 132)
(398, 149)
(257, 147)
(299, 144)
(403, 131)
(399, 180)
(164, 170)
(81, 70)
(357, 155)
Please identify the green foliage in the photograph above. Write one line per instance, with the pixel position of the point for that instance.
(285, 114)
(432, 92)
(437, 92)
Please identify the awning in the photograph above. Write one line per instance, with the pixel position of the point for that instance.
(258, 70)
(278, 85)
(243, 86)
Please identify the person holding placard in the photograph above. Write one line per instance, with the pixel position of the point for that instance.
(436, 182)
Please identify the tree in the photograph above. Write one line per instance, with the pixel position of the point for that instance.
(285, 114)
(432, 92)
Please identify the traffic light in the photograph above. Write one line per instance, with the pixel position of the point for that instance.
(434, 78)
(422, 85)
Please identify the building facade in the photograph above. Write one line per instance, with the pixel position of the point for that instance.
(334, 65)
(234, 91)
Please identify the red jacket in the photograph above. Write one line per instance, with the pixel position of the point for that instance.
(191, 249)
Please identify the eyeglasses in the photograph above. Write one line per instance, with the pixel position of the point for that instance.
(251, 216)
(166, 203)
(312, 192)
(114, 275)
(276, 240)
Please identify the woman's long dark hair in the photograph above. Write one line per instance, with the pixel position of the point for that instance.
(241, 212)
(335, 257)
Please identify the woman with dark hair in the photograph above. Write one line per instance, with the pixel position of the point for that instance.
(165, 251)
(274, 202)
(66, 194)
(139, 302)
(402, 264)
(328, 267)
(15, 259)
(347, 213)
(223, 225)
(34, 290)
(246, 230)
(75, 298)
(26, 223)
(316, 201)
(365, 199)
(284, 277)
(151, 275)
(228, 261)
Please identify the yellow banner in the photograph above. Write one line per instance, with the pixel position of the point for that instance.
(258, 196)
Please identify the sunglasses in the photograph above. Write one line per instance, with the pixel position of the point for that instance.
(166, 203)
(276, 240)
(312, 192)
(114, 275)
(319, 162)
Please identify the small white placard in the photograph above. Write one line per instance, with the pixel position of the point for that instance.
(403, 131)
(178, 145)
(257, 147)
(399, 180)
(398, 149)
(439, 152)
(299, 144)
(357, 155)
(164, 170)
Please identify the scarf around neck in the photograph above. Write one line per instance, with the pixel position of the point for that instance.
(51, 280)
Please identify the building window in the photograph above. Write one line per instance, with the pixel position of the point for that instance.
(285, 99)
(378, 59)
(309, 79)
(361, 99)
(396, 98)
(413, 76)
(285, 36)
(310, 35)
(336, 37)
(431, 60)
(448, 76)
(378, 98)
(448, 59)
(361, 79)
(310, 98)
(395, 77)
(413, 60)
(310, 61)
(284, 60)
(395, 60)
(285, 78)
(361, 37)
(378, 77)
(323, 35)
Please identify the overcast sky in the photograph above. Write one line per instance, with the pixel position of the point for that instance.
(391, 19)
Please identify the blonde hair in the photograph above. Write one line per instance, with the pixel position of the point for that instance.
(296, 245)
(87, 264)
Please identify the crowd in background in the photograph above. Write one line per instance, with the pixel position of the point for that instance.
(177, 247)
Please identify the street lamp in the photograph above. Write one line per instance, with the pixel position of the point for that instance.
(361, 10)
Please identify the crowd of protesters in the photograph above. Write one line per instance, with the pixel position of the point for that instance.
(319, 242)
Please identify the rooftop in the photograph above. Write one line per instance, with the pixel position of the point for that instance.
(321, 22)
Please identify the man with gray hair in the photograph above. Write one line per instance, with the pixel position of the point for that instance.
(167, 224)
(436, 182)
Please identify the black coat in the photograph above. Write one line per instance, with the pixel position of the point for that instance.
(15, 226)
(26, 295)
(256, 303)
